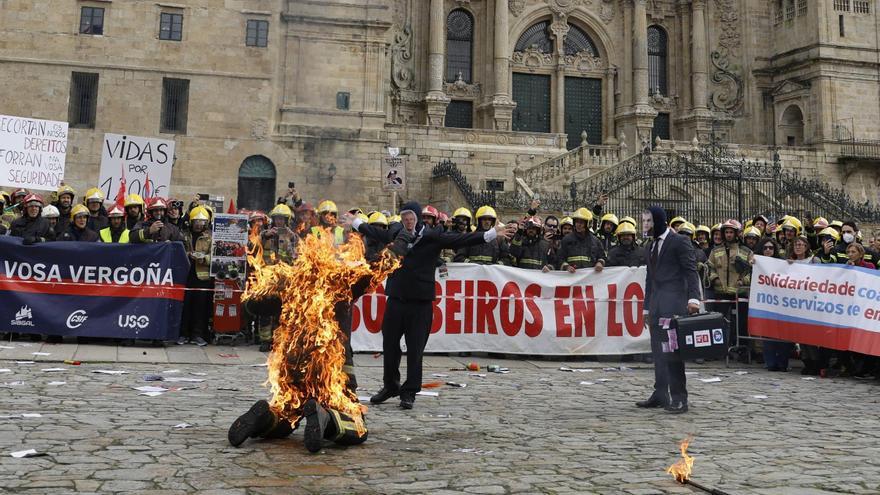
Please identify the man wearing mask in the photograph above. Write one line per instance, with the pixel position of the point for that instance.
(155, 229)
(31, 226)
(197, 303)
(134, 210)
(672, 287)
(627, 252)
(849, 234)
(410, 291)
(528, 248)
(66, 195)
(581, 249)
(116, 232)
(485, 253)
(78, 229)
(94, 201)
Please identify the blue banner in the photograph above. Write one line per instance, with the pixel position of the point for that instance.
(92, 289)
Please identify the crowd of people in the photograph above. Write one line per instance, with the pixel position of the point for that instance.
(587, 238)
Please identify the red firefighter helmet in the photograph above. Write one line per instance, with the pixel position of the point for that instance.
(430, 211)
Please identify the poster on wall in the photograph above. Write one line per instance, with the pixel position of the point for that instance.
(229, 246)
(32, 152)
(393, 173)
(143, 163)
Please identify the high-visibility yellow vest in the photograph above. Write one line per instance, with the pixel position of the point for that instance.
(107, 236)
(338, 234)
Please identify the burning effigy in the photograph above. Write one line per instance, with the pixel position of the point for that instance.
(307, 373)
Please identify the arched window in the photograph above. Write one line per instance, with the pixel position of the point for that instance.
(256, 183)
(657, 46)
(537, 36)
(459, 45)
(577, 41)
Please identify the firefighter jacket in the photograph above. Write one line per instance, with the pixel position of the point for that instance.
(579, 251)
(340, 236)
(729, 270)
(73, 233)
(631, 255)
(96, 222)
(486, 253)
(130, 222)
(840, 255)
(63, 222)
(141, 233)
(32, 230)
(531, 253)
(119, 235)
(198, 248)
(279, 247)
(607, 241)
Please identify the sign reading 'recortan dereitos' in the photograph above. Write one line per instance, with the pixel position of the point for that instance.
(32, 152)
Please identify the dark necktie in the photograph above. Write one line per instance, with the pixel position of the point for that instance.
(655, 250)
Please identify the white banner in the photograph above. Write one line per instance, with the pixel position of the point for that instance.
(32, 152)
(514, 311)
(136, 158)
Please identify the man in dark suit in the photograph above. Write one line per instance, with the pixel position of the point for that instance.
(410, 291)
(672, 287)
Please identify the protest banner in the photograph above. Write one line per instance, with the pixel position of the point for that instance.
(513, 311)
(229, 241)
(92, 289)
(32, 152)
(393, 173)
(827, 305)
(136, 159)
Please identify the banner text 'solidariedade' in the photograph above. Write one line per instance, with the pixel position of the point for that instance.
(92, 289)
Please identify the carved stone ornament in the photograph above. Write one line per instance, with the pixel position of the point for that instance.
(402, 74)
(663, 103)
(729, 97)
(606, 11)
(566, 6)
(259, 129)
(584, 61)
(460, 88)
(516, 7)
(532, 59)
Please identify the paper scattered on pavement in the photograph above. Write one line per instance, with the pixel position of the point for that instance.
(55, 384)
(480, 375)
(473, 451)
(364, 398)
(603, 380)
(41, 353)
(25, 362)
(31, 415)
(196, 373)
(691, 373)
(6, 347)
(26, 453)
(587, 383)
(52, 370)
(5, 370)
(259, 365)
(181, 426)
(456, 384)
(428, 393)
(759, 396)
(440, 375)
(110, 372)
(802, 378)
(740, 372)
(710, 380)
(151, 394)
(183, 379)
(148, 388)
(580, 370)
(168, 372)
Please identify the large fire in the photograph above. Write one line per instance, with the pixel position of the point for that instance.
(681, 470)
(308, 351)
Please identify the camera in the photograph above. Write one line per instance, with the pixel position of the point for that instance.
(291, 185)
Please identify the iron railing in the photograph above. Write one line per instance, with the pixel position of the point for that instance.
(863, 149)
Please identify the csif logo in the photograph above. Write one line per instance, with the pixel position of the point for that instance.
(76, 319)
(134, 321)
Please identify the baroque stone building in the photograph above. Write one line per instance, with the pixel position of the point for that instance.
(315, 91)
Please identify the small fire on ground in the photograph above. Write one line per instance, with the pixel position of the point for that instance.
(682, 468)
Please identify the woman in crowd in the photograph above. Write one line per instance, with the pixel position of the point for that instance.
(776, 352)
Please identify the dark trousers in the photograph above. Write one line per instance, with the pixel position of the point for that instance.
(196, 309)
(412, 321)
(343, 318)
(669, 377)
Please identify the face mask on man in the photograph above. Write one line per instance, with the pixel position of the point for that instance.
(848, 237)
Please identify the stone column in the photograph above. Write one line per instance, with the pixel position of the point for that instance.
(640, 54)
(560, 99)
(699, 57)
(608, 121)
(502, 105)
(436, 100)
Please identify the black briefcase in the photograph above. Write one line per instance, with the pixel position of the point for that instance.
(703, 335)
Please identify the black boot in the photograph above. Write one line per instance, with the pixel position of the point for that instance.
(316, 423)
(258, 420)
(282, 430)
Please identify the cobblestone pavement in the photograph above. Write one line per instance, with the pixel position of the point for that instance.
(534, 430)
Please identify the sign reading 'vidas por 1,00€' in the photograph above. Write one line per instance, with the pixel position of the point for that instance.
(138, 161)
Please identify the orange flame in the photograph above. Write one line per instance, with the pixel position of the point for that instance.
(308, 351)
(681, 470)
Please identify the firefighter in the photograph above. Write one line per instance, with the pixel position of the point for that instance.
(116, 231)
(530, 250)
(791, 229)
(4, 223)
(486, 253)
(305, 218)
(701, 238)
(279, 246)
(134, 210)
(566, 226)
(760, 222)
(78, 229)
(751, 238)
(581, 248)
(461, 220)
(627, 252)
(51, 214)
(373, 247)
(327, 216)
(154, 228)
(607, 227)
(827, 240)
(176, 216)
(730, 275)
(677, 222)
(849, 233)
(31, 226)
(66, 195)
(197, 303)
(16, 206)
(818, 225)
(430, 216)
(94, 201)
(688, 230)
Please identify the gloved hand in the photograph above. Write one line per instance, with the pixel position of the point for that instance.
(27, 241)
(401, 243)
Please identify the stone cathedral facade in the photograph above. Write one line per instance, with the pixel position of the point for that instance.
(314, 92)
